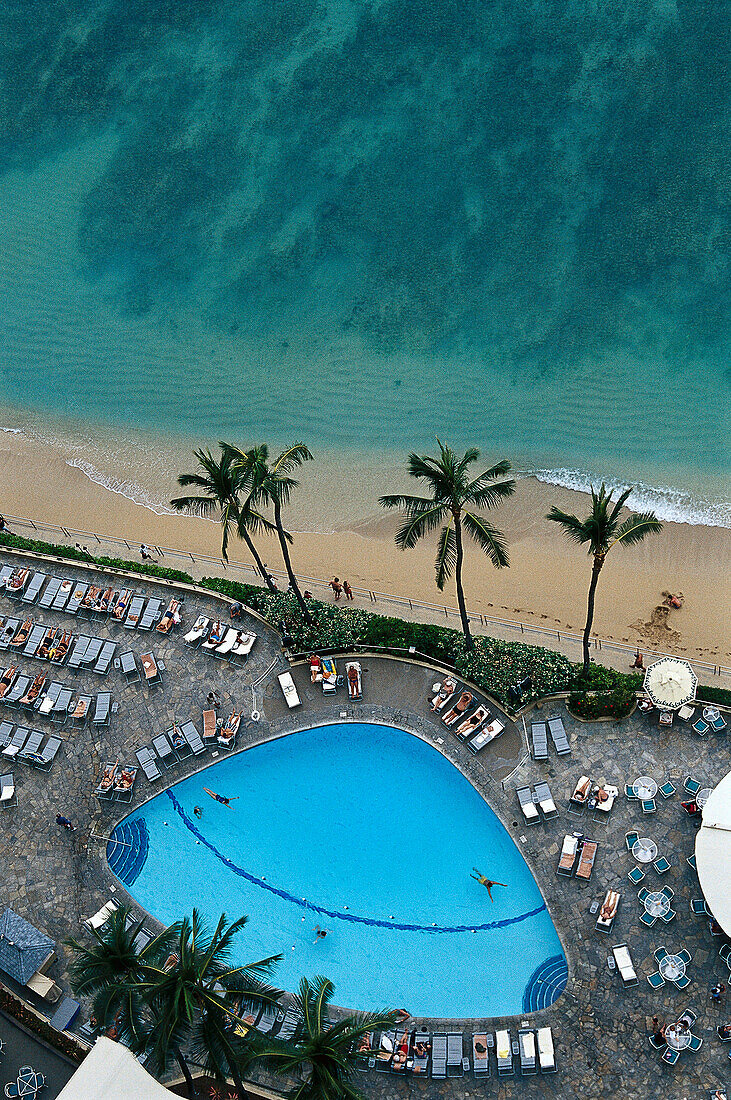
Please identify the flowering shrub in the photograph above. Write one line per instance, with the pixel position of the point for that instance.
(496, 665)
(603, 704)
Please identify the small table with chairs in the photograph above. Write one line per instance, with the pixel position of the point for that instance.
(644, 850)
(645, 787)
(702, 797)
(672, 967)
(656, 903)
(27, 1083)
(678, 1036)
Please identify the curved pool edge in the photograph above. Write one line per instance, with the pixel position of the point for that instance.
(498, 805)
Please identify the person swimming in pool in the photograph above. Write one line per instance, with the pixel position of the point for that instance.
(320, 933)
(488, 883)
(220, 798)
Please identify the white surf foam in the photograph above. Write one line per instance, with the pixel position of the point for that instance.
(124, 488)
(11, 431)
(672, 505)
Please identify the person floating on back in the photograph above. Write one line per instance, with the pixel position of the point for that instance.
(488, 883)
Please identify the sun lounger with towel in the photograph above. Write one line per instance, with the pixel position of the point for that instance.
(8, 632)
(329, 675)
(608, 911)
(445, 691)
(6, 680)
(458, 709)
(227, 736)
(63, 595)
(586, 859)
(545, 801)
(100, 919)
(80, 711)
(471, 725)
(244, 645)
(21, 636)
(569, 850)
(105, 786)
(582, 790)
(504, 1052)
(199, 628)
(480, 1055)
(216, 636)
(527, 805)
(354, 678)
(527, 1047)
(7, 790)
(134, 612)
(225, 648)
(487, 734)
(624, 963)
(546, 1054)
(209, 725)
(315, 669)
(61, 648)
(89, 599)
(124, 782)
(32, 744)
(16, 583)
(33, 692)
(288, 689)
(17, 741)
(48, 701)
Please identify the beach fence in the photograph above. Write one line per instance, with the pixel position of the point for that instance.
(614, 654)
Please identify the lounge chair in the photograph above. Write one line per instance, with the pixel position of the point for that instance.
(290, 1023)
(527, 1047)
(445, 691)
(603, 806)
(354, 679)
(102, 709)
(400, 1057)
(643, 893)
(48, 754)
(124, 782)
(105, 786)
(586, 859)
(7, 791)
(132, 618)
(32, 744)
(104, 603)
(438, 1057)
(480, 1052)
(546, 1053)
(80, 711)
(37, 636)
(33, 590)
(60, 710)
(128, 667)
(685, 956)
(17, 742)
(8, 632)
(527, 805)
(171, 616)
(215, 636)
(61, 648)
(629, 792)
(695, 1040)
(227, 736)
(608, 911)
(455, 1067)
(649, 806)
(244, 645)
(686, 712)
(647, 919)
(17, 691)
(120, 604)
(718, 724)
(148, 762)
(63, 595)
(80, 647)
(581, 791)
(545, 801)
(569, 850)
(288, 689)
(267, 1020)
(34, 692)
(22, 634)
(5, 574)
(222, 651)
(199, 628)
(539, 739)
(178, 741)
(191, 735)
(699, 907)
(16, 583)
(504, 1052)
(624, 963)
(164, 750)
(470, 725)
(691, 785)
(75, 598)
(91, 653)
(209, 725)
(6, 730)
(151, 612)
(329, 675)
(49, 700)
(487, 734)
(50, 592)
(558, 735)
(458, 709)
(100, 919)
(420, 1054)
(104, 659)
(7, 679)
(670, 1056)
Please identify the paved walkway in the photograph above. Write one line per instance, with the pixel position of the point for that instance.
(56, 879)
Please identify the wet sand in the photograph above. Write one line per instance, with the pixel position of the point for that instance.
(546, 583)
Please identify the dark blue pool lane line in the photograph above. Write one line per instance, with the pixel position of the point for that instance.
(351, 917)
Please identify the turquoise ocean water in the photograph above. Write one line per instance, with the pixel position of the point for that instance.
(366, 224)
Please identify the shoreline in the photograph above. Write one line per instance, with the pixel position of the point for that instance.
(546, 583)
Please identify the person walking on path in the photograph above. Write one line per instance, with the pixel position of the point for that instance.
(145, 552)
(336, 587)
(347, 590)
(64, 823)
(488, 883)
(718, 993)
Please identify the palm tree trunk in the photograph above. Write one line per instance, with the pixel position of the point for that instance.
(460, 591)
(257, 560)
(596, 570)
(238, 1082)
(184, 1069)
(288, 564)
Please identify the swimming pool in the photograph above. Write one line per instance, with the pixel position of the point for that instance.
(371, 834)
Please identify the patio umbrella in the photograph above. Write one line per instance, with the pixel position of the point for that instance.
(670, 682)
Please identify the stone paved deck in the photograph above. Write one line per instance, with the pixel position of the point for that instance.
(56, 879)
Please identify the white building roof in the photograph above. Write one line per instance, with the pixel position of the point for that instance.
(713, 853)
(111, 1072)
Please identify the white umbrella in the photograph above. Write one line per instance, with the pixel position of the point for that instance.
(671, 682)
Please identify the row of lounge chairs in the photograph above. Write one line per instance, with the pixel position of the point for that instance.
(477, 728)
(539, 738)
(225, 642)
(26, 745)
(52, 700)
(324, 671)
(533, 800)
(76, 597)
(577, 856)
(418, 1053)
(56, 645)
(183, 741)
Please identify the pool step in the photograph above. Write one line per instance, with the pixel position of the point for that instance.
(546, 984)
(127, 850)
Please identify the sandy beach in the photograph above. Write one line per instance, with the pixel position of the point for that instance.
(546, 583)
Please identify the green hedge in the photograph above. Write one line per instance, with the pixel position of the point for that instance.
(617, 703)
(145, 568)
(19, 1011)
(721, 696)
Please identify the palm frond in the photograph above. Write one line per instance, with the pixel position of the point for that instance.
(491, 541)
(446, 558)
(292, 457)
(613, 515)
(418, 525)
(197, 506)
(479, 494)
(635, 528)
(573, 527)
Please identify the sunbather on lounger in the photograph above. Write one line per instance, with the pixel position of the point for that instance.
(459, 708)
(6, 680)
(170, 618)
(44, 649)
(107, 778)
(17, 580)
(470, 724)
(34, 690)
(60, 648)
(582, 790)
(104, 601)
(177, 738)
(22, 636)
(448, 688)
(315, 669)
(120, 605)
(91, 597)
(229, 731)
(125, 779)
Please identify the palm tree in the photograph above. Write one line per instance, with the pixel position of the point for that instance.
(272, 483)
(323, 1053)
(221, 487)
(109, 972)
(195, 1002)
(452, 500)
(601, 530)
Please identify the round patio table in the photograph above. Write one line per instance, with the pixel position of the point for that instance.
(29, 1082)
(645, 787)
(657, 903)
(702, 797)
(711, 714)
(676, 1037)
(671, 967)
(644, 850)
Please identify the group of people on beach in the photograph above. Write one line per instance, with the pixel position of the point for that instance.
(339, 587)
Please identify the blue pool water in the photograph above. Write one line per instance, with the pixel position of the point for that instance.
(371, 834)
